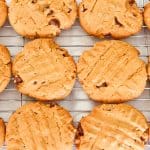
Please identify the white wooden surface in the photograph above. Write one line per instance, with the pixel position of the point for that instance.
(76, 41)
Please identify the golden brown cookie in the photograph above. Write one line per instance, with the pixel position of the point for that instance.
(3, 12)
(44, 71)
(36, 126)
(118, 18)
(38, 18)
(2, 132)
(147, 15)
(111, 72)
(5, 67)
(112, 127)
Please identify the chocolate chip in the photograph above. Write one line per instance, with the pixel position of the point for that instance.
(34, 1)
(17, 79)
(50, 12)
(84, 9)
(117, 22)
(43, 82)
(131, 2)
(79, 131)
(72, 77)
(144, 136)
(134, 14)
(54, 22)
(53, 104)
(64, 4)
(65, 55)
(104, 84)
(109, 109)
(69, 10)
(46, 7)
(142, 139)
(35, 113)
(35, 82)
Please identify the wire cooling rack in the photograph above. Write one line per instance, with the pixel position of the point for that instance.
(75, 41)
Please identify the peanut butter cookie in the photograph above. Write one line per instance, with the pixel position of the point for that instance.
(2, 132)
(44, 71)
(38, 18)
(112, 72)
(5, 67)
(3, 12)
(36, 126)
(147, 15)
(112, 127)
(118, 18)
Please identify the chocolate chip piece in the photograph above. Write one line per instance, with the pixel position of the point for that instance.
(73, 76)
(84, 9)
(131, 2)
(69, 10)
(65, 55)
(142, 139)
(53, 104)
(35, 113)
(109, 109)
(50, 12)
(17, 79)
(104, 84)
(79, 133)
(134, 14)
(117, 22)
(80, 130)
(54, 22)
(43, 82)
(35, 82)
(34, 1)
(144, 136)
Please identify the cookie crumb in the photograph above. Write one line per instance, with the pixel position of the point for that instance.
(2, 132)
(54, 22)
(104, 84)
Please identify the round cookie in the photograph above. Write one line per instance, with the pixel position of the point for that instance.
(3, 12)
(111, 72)
(2, 132)
(147, 15)
(44, 71)
(36, 126)
(112, 127)
(116, 18)
(5, 67)
(36, 18)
